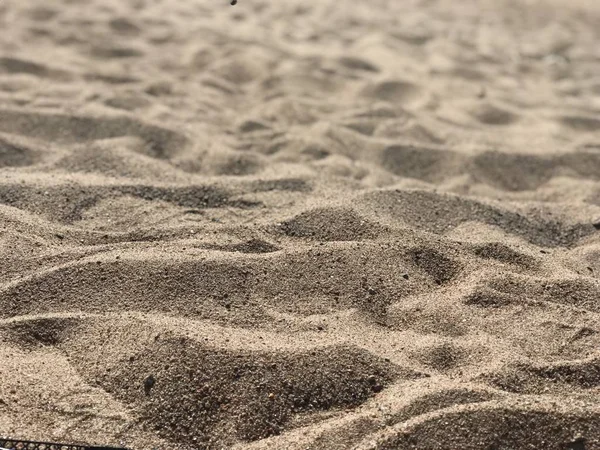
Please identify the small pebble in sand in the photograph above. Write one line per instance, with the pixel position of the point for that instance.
(149, 384)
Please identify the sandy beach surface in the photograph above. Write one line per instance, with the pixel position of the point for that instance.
(300, 224)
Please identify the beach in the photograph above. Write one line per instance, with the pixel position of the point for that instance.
(300, 224)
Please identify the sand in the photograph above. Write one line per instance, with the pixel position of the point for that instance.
(300, 224)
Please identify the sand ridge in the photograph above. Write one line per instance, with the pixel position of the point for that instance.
(300, 224)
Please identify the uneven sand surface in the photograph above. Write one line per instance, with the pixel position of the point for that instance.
(300, 224)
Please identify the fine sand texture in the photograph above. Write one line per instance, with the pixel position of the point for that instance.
(290, 224)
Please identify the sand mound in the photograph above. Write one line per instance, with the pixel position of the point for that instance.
(484, 426)
(300, 225)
